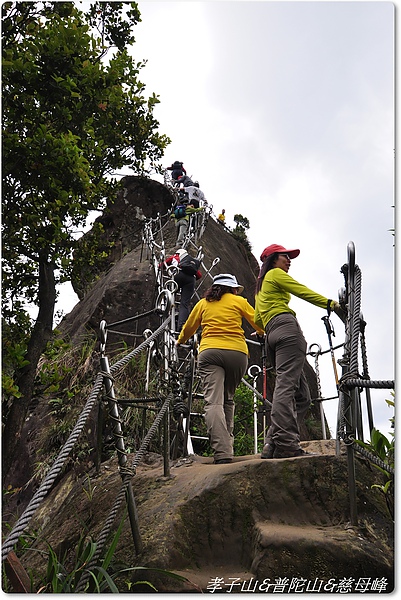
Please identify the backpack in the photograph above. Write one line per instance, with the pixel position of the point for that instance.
(189, 264)
(180, 212)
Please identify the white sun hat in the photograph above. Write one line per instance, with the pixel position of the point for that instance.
(228, 280)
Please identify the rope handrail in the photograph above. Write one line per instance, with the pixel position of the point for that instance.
(371, 457)
(102, 538)
(58, 464)
(351, 382)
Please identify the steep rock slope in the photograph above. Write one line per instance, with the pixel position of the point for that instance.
(121, 281)
(251, 521)
(114, 277)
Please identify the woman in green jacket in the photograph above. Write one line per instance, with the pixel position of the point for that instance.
(286, 346)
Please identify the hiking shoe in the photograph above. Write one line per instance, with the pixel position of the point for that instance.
(223, 461)
(268, 451)
(292, 454)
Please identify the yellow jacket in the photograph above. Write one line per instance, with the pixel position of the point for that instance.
(221, 322)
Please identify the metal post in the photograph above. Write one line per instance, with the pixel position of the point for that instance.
(19, 578)
(315, 355)
(166, 418)
(164, 304)
(255, 404)
(188, 448)
(365, 374)
(119, 440)
(349, 409)
(99, 436)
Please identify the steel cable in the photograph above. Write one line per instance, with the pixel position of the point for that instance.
(352, 382)
(47, 483)
(54, 471)
(102, 538)
(257, 394)
(355, 322)
(372, 458)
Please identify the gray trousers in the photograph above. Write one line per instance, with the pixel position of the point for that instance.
(182, 228)
(186, 284)
(291, 397)
(221, 372)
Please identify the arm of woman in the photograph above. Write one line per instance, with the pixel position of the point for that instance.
(191, 325)
(287, 283)
(249, 314)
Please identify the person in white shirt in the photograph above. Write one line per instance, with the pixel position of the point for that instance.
(195, 195)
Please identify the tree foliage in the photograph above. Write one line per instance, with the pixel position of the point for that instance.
(74, 112)
(240, 229)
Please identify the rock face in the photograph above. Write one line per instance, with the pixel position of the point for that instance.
(113, 276)
(252, 522)
(122, 283)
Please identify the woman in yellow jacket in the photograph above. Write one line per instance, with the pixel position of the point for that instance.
(223, 356)
(286, 347)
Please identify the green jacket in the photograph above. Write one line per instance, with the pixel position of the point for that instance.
(275, 294)
(189, 211)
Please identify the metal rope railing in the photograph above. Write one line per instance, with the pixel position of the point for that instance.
(59, 462)
(349, 423)
(102, 538)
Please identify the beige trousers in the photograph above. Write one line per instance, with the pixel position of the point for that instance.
(221, 372)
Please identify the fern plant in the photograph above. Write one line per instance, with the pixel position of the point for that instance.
(382, 448)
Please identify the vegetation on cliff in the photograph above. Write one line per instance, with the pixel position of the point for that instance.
(74, 111)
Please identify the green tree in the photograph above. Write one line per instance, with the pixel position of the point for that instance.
(240, 229)
(73, 112)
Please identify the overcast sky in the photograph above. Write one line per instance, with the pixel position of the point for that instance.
(284, 113)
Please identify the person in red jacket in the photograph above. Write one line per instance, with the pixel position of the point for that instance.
(185, 282)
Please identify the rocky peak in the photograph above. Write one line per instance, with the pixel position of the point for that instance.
(119, 282)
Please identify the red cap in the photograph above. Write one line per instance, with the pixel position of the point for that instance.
(276, 248)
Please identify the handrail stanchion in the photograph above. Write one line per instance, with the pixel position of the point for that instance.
(348, 398)
(255, 404)
(365, 374)
(315, 354)
(165, 305)
(119, 440)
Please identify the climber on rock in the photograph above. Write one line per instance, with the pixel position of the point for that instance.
(286, 347)
(188, 273)
(177, 170)
(181, 214)
(223, 356)
(195, 195)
